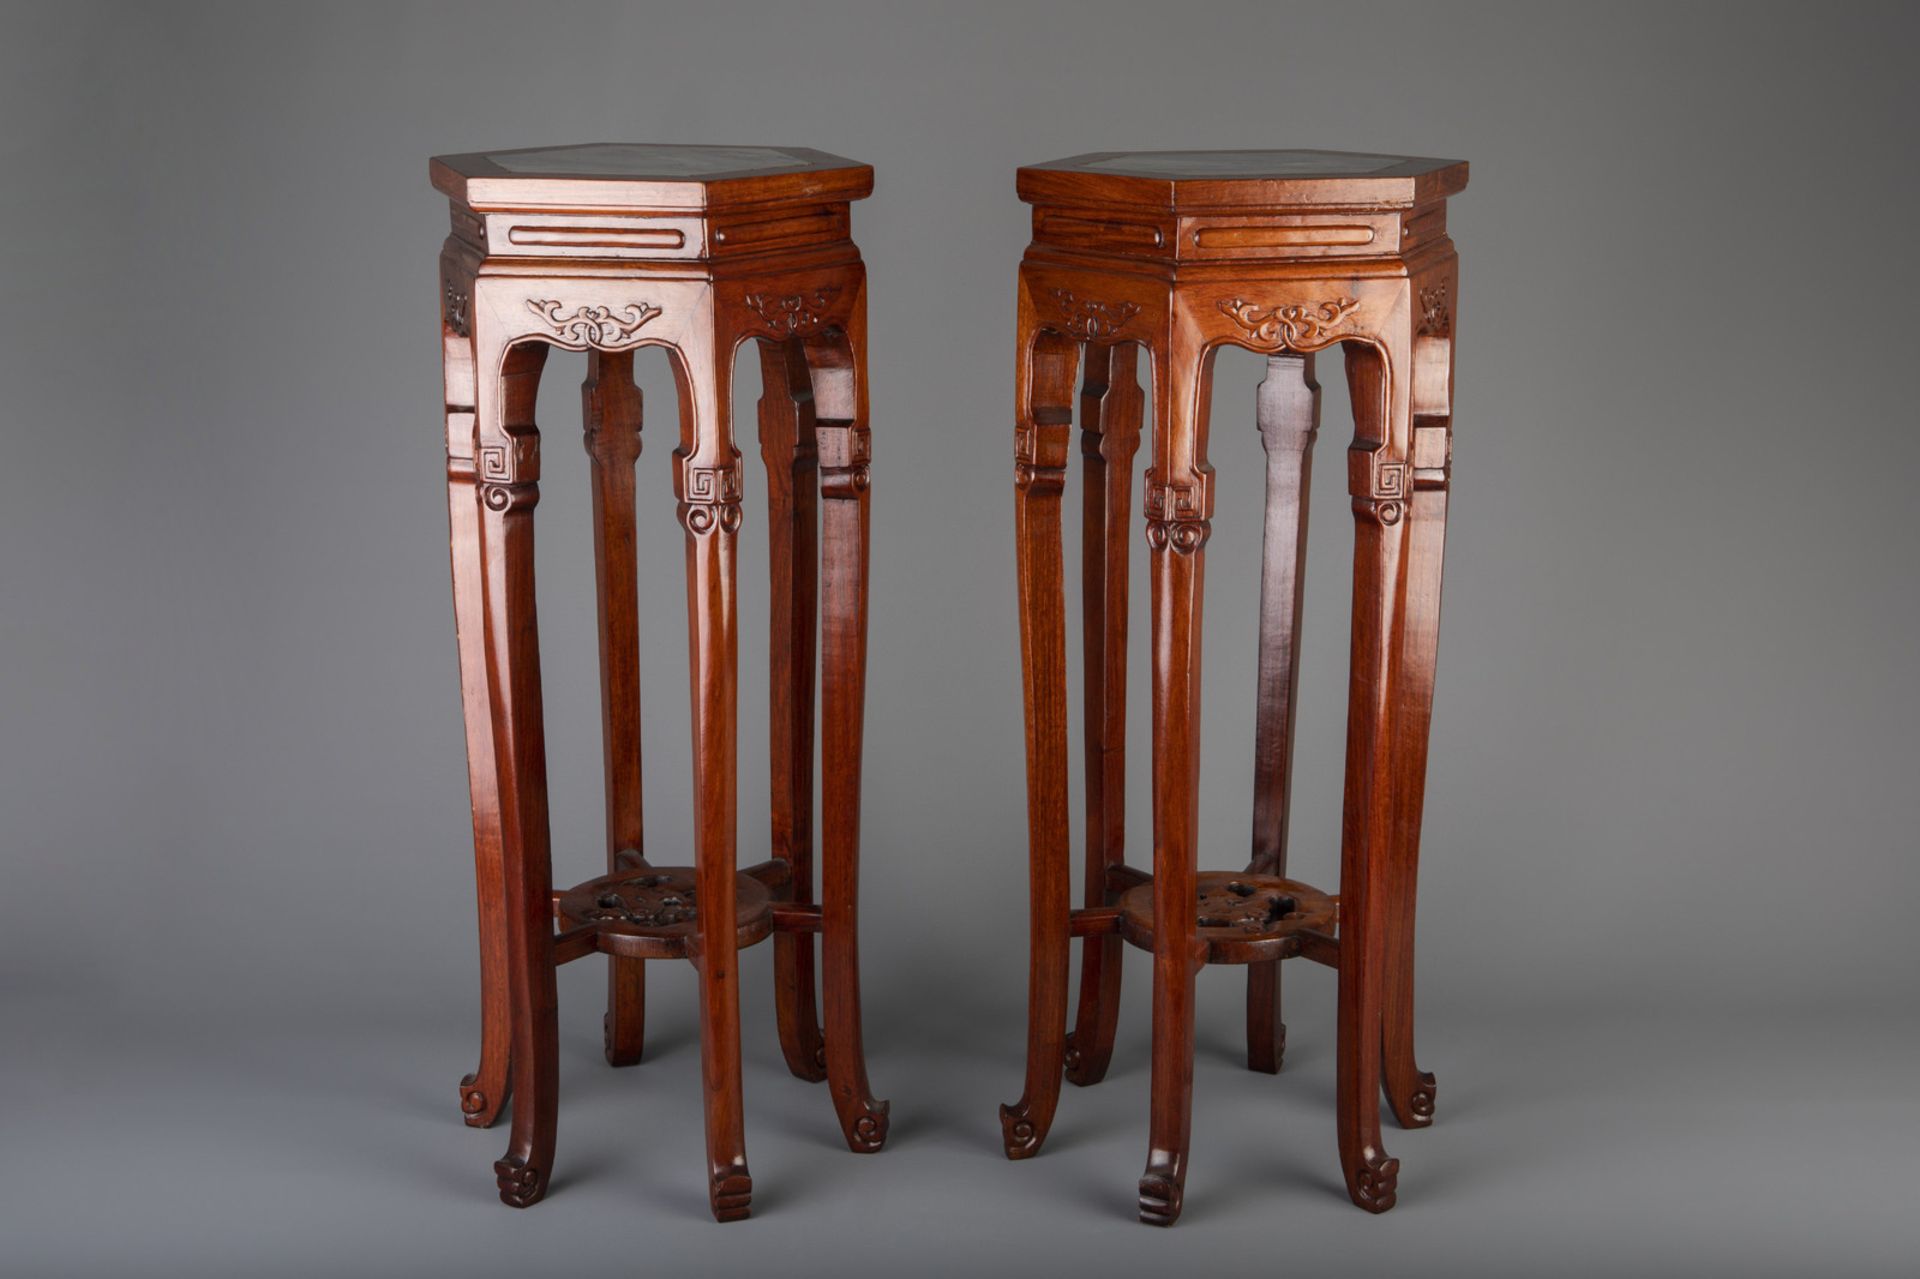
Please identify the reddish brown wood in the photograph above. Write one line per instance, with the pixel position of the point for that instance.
(610, 409)
(1044, 396)
(697, 250)
(1410, 1090)
(1284, 254)
(1110, 409)
(505, 412)
(483, 1093)
(1289, 415)
(788, 450)
(1179, 513)
(839, 366)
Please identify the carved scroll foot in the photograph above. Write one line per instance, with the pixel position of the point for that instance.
(731, 1196)
(868, 1132)
(520, 1186)
(1019, 1133)
(479, 1107)
(1375, 1182)
(1415, 1110)
(1160, 1198)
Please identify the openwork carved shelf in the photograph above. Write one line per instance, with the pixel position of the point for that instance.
(652, 913)
(1243, 918)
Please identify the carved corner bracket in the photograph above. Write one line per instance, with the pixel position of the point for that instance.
(1302, 327)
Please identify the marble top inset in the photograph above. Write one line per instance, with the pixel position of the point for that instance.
(644, 160)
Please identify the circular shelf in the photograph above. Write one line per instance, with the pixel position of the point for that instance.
(1242, 918)
(652, 912)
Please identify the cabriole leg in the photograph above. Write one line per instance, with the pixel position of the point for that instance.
(1410, 1090)
(1378, 486)
(1045, 405)
(483, 1093)
(839, 375)
(509, 468)
(1179, 512)
(707, 483)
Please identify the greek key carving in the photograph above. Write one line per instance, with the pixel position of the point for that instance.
(1090, 320)
(1305, 327)
(795, 313)
(845, 457)
(1178, 514)
(597, 327)
(712, 499)
(1379, 487)
(1040, 456)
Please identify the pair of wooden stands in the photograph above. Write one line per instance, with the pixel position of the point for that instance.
(700, 249)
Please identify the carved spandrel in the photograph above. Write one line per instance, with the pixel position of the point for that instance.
(1306, 326)
(793, 314)
(593, 327)
(1090, 319)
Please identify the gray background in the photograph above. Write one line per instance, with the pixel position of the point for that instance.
(1668, 973)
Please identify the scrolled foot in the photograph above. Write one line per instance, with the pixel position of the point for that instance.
(1375, 1182)
(1160, 1199)
(520, 1185)
(476, 1107)
(1420, 1103)
(869, 1131)
(731, 1195)
(1018, 1133)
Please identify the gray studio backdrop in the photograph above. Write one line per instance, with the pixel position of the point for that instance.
(1667, 974)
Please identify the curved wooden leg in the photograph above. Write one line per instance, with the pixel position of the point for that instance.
(839, 378)
(1045, 390)
(1378, 486)
(483, 1093)
(1179, 509)
(610, 407)
(509, 476)
(1289, 415)
(787, 447)
(707, 482)
(1110, 408)
(1411, 1091)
